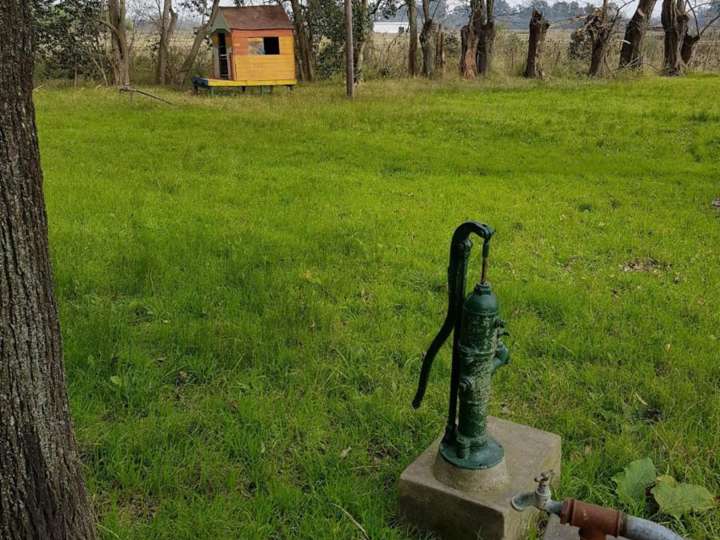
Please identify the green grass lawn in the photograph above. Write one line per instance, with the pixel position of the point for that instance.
(247, 285)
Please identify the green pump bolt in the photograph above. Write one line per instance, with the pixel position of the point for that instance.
(478, 351)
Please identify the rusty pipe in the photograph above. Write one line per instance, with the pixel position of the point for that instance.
(596, 522)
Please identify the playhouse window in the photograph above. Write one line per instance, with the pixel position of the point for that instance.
(264, 45)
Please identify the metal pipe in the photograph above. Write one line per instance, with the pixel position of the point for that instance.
(594, 522)
(642, 529)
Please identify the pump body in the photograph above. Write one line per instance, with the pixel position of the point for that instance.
(478, 351)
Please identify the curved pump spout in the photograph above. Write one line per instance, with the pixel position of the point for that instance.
(595, 522)
(457, 269)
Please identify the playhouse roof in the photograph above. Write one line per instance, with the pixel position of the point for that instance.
(253, 18)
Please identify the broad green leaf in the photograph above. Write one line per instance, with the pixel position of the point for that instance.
(634, 480)
(117, 381)
(677, 499)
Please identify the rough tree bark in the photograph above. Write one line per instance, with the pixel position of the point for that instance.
(687, 51)
(675, 24)
(440, 51)
(187, 66)
(600, 29)
(363, 29)
(428, 40)
(477, 40)
(413, 31)
(41, 489)
(630, 54)
(486, 38)
(469, 45)
(538, 30)
(119, 43)
(304, 44)
(168, 22)
(349, 60)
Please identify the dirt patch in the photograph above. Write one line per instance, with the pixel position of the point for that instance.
(648, 265)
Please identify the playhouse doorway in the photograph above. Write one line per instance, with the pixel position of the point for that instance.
(223, 57)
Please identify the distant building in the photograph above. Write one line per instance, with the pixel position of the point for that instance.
(390, 27)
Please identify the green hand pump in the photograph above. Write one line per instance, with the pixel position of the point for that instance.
(477, 352)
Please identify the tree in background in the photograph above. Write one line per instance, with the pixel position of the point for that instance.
(326, 30)
(207, 12)
(120, 50)
(69, 38)
(600, 25)
(42, 494)
(704, 17)
(167, 22)
(630, 54)
(304, 51)
(675, 25)
(412, 30)
(478, 38)
(538, 30)
(428, 40)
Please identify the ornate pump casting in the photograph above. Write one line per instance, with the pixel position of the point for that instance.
(478, 351)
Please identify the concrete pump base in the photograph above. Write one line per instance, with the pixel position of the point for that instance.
(475, 505)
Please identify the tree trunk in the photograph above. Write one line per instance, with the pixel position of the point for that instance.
(486, 38)
(413, 31)
(41, 489)
(675, 23)
(464, 44)
(362, 36)
(631, 54)
(189, 62)
(469, 45)
(304, 46)
(440, 51)
(687, 51)
(349, 60)
(538, 29)
(168, 21)
(600, 30)
(428, 41)
(119, 44)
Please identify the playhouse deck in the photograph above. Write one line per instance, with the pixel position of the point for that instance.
(210, 84)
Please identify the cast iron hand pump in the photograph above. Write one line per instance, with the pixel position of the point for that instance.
(478, 351)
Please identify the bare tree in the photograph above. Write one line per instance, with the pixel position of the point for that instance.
(413, 31)
(675, 24)
(166, 28)
(478, 39)
(538, 30)
(440, 50)
(349, 60)
(200, 35)
(687, 51)
(42, 494)
(303, 48)
(468, 50)
(428, 40)
(600, 26)
(486, 38)
(362, 25)
(117, 23)
(630, 54)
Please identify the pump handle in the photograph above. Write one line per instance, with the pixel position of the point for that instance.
(460, 246)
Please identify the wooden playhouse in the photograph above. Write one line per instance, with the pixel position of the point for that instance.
(252, 46)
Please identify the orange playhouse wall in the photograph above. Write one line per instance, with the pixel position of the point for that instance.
(265, 68)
